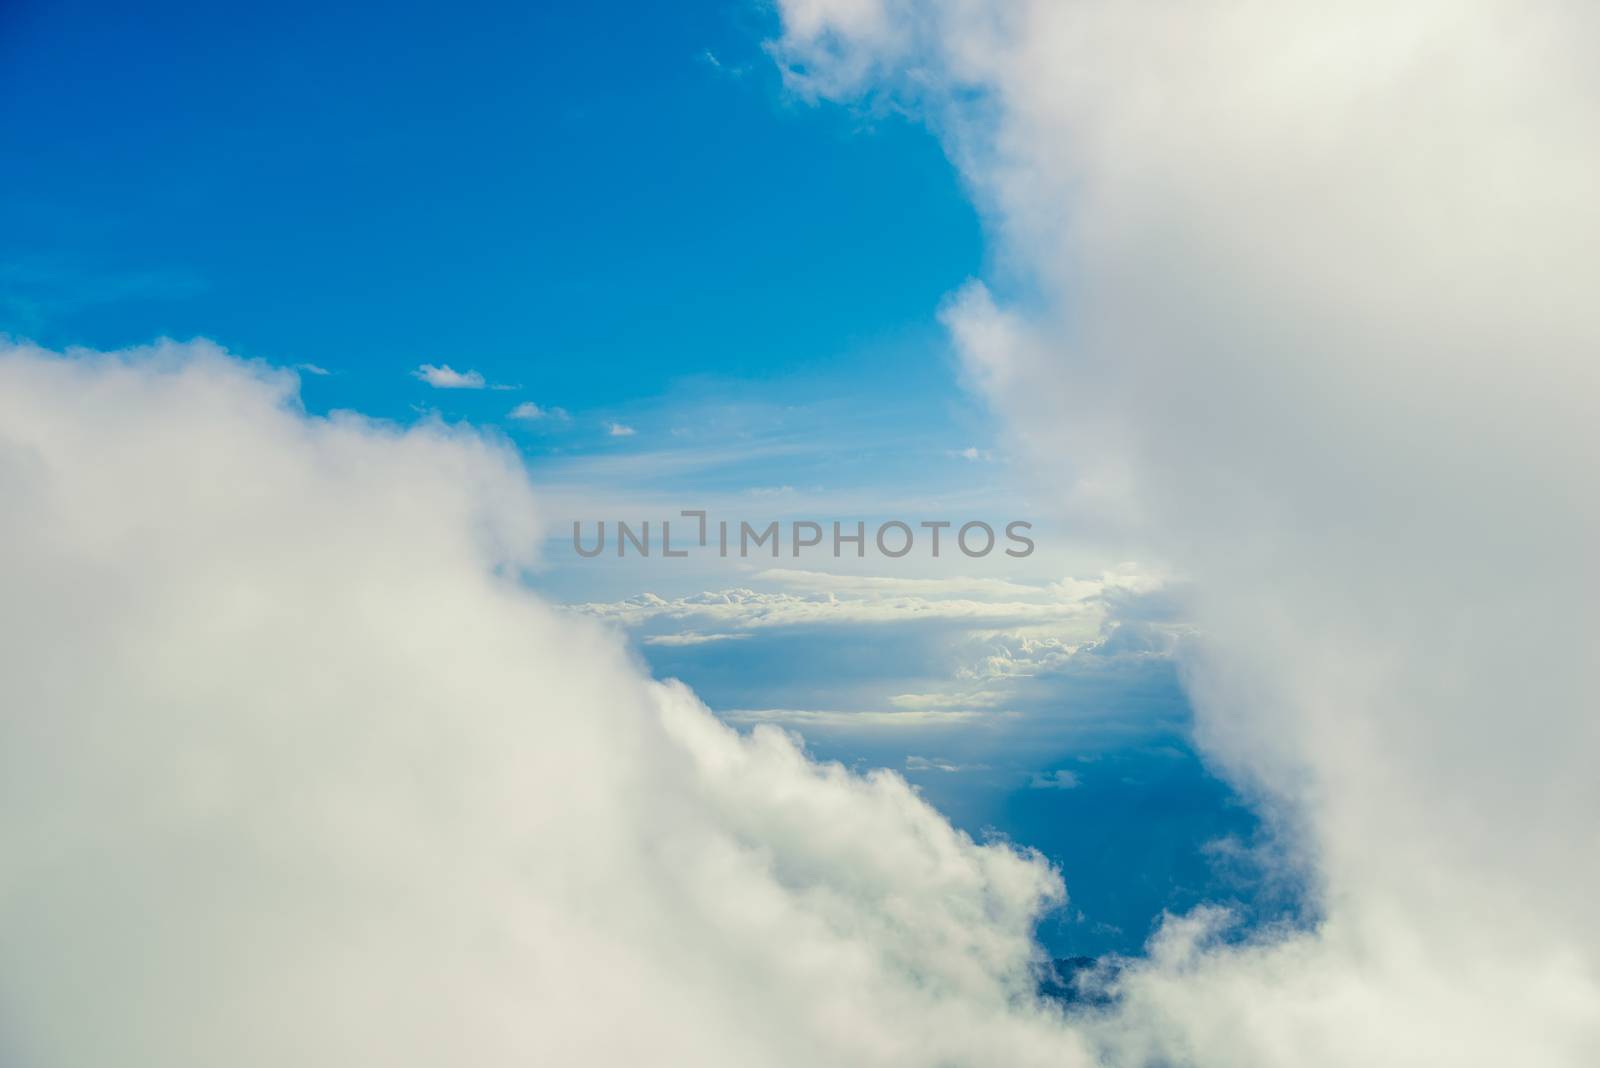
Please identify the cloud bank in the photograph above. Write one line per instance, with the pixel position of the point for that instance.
(1304, 309)
(294, 770)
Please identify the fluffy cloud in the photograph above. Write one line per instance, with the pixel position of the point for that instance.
(1318, 330)
(445, 377)
(531, 412)
(294, 770)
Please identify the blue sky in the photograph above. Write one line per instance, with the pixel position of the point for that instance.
(717, 295)
(537, 194)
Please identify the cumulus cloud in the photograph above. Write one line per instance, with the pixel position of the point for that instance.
(1309, 318)
(295, 770)
(531, 412)
(620, 430)
(445, 377)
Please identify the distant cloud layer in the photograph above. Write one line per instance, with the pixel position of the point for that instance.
(973, 648)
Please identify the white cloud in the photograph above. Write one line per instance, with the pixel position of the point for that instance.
(619, 430)
(531, 412)
(733, 70)
(691, 637)
(1310, 317)
(311, 369)
(920, 763)
(1068, 591)
(444, 377)
(746, 608)
(868, 719)
(295, 771)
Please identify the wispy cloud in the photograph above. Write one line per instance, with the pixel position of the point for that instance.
(620, 430)
(921, 763)
(752, 609)
(832, 717)
(953, 586)
(690, 637)
(732, 70)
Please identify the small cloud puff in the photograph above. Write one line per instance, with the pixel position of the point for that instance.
(445, 377)
(532, 412)
(619, 430)
(311, 369)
